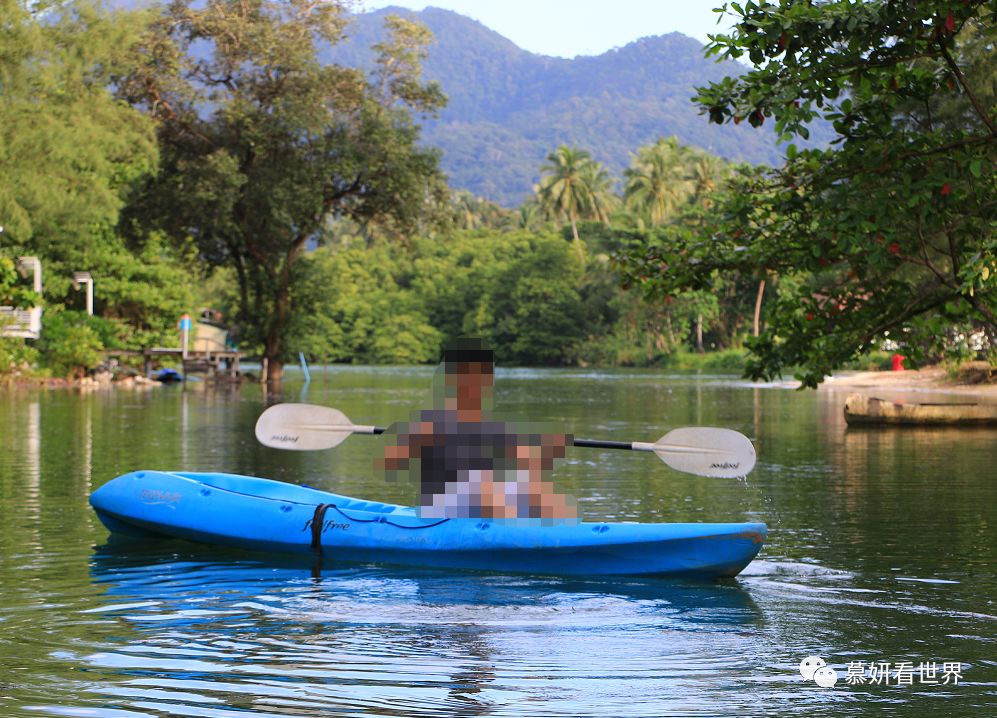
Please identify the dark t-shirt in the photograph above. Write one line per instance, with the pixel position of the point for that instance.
(448, 460)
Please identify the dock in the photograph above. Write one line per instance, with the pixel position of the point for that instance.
(214, 364)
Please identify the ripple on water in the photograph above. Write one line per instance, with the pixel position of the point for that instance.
(218, 638)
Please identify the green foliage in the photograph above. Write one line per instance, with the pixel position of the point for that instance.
(14, 292)
(71, 342)
(353, 308)
(387, 304)
(890, 230)
(68, 149)
(528, 313)
(262, 144)
(16, 358)
(144, 290)
(527, 295)
(69, 155)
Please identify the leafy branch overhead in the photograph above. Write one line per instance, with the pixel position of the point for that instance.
(891, 228)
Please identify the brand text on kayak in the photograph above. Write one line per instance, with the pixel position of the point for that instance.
(326, 526)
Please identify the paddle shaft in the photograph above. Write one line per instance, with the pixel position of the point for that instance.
(588, 443)
(624, 445)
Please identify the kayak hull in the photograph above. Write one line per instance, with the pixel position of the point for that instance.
(263, 515)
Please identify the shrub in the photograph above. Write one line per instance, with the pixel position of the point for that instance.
(16, 358)
(70, 344)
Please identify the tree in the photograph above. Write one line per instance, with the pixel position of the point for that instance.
(657, 182)
(68, 148)
(573, 186)
(261, 143)
(353, 307)
(531, 311)
(891, 228)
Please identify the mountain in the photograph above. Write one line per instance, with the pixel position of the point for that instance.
(508, 108)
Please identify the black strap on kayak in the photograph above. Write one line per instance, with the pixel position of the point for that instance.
(318, 523)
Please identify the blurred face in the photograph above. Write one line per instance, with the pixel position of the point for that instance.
(469, 385)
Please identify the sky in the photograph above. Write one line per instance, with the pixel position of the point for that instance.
(566, 28)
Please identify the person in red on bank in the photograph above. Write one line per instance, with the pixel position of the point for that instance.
(467, 464)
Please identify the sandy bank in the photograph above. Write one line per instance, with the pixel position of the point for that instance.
(933, 380)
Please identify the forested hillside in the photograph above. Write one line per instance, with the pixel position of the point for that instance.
(508, 107)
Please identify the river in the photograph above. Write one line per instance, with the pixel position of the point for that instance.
(882, 549)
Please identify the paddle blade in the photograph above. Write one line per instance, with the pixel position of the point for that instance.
(707, 451)
(302, 427)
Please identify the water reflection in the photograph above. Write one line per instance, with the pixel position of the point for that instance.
(32, 459)
(213, 631)
(173, 571)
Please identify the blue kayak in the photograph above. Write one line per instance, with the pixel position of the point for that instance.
(264, 515)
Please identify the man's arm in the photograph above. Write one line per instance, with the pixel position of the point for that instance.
(409, 440)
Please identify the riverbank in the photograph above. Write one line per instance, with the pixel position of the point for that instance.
(103, 380)
(972, 379)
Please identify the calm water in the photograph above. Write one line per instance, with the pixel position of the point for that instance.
(882, 548)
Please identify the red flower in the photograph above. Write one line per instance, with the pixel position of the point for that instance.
(946, 190)
(894, 248)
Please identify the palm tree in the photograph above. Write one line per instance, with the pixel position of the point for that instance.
(708, 174)
(466, 210)
(573, 186)
(529, 214)
(602, 200)
(657, 182)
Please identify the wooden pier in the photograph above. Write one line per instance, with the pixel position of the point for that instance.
(213, 364)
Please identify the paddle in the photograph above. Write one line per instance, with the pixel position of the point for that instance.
(700, 450)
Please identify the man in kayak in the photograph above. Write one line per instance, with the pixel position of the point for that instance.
(468, 465)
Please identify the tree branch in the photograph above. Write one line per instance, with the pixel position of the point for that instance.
(987, 120)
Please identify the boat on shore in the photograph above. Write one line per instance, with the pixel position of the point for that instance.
(263, 515)
(861, 410)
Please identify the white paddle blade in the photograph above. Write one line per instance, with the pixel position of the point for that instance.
(302, 427)
(707, 451)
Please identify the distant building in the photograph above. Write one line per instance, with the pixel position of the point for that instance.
(24, 323)
(211, 334)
